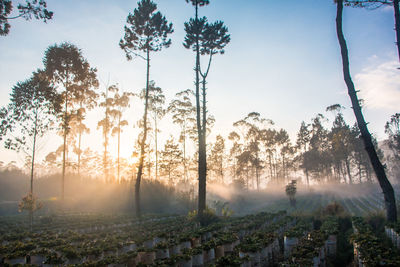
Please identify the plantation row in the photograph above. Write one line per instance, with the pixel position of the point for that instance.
(264, 239)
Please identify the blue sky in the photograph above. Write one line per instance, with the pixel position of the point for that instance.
(283, 60)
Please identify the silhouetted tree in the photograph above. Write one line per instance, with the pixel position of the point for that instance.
(390, 201)
(302, 142)
(217, 158)
(66, 68)
(205, 39)
(119, 103)
(183, 114)
(156, 107)
(31, 113)
(147, 32)
(107, 124)
(171, 158)
(32, 8)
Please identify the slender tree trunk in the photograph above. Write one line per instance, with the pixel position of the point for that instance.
(202, 167)
(65, 126)
(348, 171)
(33, 167)
(142, 144)
(184, 153)
(105, 129)
(79, 141)
(155, 138)
(308, 179)
(119, 141)
(397, 24)
(388, 193)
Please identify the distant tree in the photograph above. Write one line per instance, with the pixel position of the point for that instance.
(235, 151)
(204, 39)
(390, 201)
(171, 158)
(286, 151)
(252, 130)
(147, 32)
(342, 143)
(66, 68)
(107, 124)
(302, 143)
(156, 107)
(31, 113)
(392, 129)
(217, 158)
(291, 190)
(32, 8)
(183, 114)
(120, 102)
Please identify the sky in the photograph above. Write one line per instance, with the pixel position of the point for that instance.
(283, 61)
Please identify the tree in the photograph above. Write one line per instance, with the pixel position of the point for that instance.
(31, 113)
(302, 143)
(291, 190)
(183, 112)
(373, 4)
(156, 102)
(35, 8)
(342, 143)
(147, 32)
(205, 39)
(392, 129)
(120, 103)
(388, 193)
(106, 124)
(217, 158)
(66, 68)
(171, 157)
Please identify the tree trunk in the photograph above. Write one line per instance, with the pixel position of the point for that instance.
(65, 126)
(397, 24)
(155, 138)
(119, 142)
(202, 167)
(142, 144)
(105, 129)
(348, 171)
(388, 193)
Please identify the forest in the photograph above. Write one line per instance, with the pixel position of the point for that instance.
(97, 170)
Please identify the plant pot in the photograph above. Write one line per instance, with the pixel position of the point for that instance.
(330, 245)
(219, 252)
(174, 250)
(185, 263)
(73, 261)
(128, 248)
(289, 244)
(254, 258)
(18, 260)
(37, 259)
(162, 253)
(195, 242)
(185, 244)
(197, 260)
(149, 243)
(209, 255)
(228, 248)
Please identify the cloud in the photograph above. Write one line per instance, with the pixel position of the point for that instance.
(380, 86)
